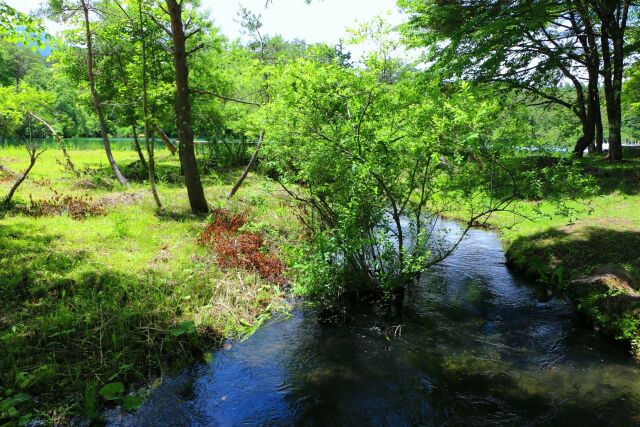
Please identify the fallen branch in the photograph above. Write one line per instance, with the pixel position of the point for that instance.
(166, 140)
(60, 140)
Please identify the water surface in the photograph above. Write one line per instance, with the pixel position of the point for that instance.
(474, 345)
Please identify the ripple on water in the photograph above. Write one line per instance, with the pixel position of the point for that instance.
(476, 347)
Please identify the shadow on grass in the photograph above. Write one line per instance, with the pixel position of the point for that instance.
(71, 326)
(580, 251)
(623, 177)
(168, 174)
(611, 177)
(172, 215)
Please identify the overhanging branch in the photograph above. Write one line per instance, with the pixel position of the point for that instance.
(224, 98)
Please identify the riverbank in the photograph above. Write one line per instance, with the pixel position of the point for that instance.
(473, 345)
(594, 255)
(102, 293)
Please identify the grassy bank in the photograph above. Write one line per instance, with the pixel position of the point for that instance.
(593, 255)
(101, 293)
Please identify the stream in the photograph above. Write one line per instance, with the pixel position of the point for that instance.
(474, 345)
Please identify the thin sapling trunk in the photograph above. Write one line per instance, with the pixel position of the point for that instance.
(247, 169)
(33, 156)
(96, 98)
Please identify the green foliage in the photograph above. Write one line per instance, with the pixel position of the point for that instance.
(18, 27)
(631, 97)
(16, 104)
(369, 155)
(10, 407)
(112, 391)
(316, 273)
(184, 328)
(117, 298)
(375, 152)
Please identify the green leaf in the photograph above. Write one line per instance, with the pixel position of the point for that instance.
(13, 401)
(112, 391)
(187, 327)
(131, 403)
(24, 419)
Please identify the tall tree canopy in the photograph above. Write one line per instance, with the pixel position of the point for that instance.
(531, 46)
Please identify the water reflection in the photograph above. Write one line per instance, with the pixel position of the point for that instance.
(473, 346)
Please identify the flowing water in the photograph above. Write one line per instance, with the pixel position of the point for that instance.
(474, 345)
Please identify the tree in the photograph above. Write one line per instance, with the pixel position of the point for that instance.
(184, 125)
(145, 105)
(60, 140)
(19, 27)
(614, 21)
(252, 23)
(372, 156)
(82, 9)
(96, 97)
(527, 46)
(631, 101)
(32, 149)
(116, 39)
(16, 62)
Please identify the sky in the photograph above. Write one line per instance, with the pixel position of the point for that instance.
(321, 21)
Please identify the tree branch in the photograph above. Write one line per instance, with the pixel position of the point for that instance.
(224, 98)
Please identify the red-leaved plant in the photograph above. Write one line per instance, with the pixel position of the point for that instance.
(240, 249)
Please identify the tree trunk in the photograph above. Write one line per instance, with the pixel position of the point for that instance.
(149, 145)
(613, 16)
(588, 134)
(165, 139)
(188, 161)
(588, 120)
(96, 98)
(588, 115)
(583, 112)
(607, 80)
(33, 156)
(252, 162)
(615, 121)
(599, 129)
(137, 144)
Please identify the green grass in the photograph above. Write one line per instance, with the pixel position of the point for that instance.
(120, 297)
(595, 231)
(94, 310)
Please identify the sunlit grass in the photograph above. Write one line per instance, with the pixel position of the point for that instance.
(94, 301)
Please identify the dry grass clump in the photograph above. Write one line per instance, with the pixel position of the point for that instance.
(77, 207)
